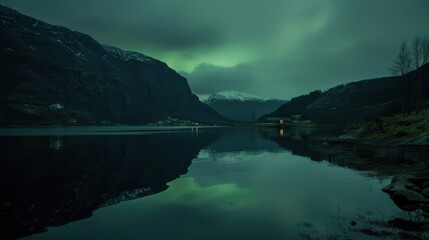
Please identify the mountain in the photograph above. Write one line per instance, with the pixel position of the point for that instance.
(242, 107)
(234, 96)
(52, 75)
(296, 106)
(358, 101)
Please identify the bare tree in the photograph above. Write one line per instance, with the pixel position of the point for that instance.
(420, 57)
(407, 60)
(420, 52)
(401, 67)
(425, 51)
(402, 63)
(417, 56)
(417, 53)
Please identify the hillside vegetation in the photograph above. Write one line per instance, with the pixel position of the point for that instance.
(400, 129)
(356, 102)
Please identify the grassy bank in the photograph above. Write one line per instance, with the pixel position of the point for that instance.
(412, 128)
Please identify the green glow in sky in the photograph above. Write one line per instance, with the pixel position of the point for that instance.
(280, 48)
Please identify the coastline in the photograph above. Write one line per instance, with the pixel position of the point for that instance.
(400, 130)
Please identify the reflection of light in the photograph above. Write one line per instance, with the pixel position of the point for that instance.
(195, 130)
(282, 132)
(56, 143)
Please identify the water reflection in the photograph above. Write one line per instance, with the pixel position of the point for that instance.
(382, 161)
(244, 186)
(243, 183)
(50, 181)
(56, 143)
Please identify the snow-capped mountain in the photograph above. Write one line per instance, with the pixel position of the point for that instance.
(234, 96)
(240, 106)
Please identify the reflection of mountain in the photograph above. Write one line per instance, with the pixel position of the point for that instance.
(378, 160)
(236, 145)
(50, 181)
(296, 142)
(247, 141)
(238, 140)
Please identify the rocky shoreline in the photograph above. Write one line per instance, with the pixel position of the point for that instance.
(409, 193)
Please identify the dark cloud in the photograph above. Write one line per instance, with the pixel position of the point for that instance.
(278, 48)
(207, 78)
(160, 24)
(154, 35)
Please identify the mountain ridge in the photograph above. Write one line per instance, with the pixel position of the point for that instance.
(354, 102)
(45, 64)
(235, 96)
(240, 106)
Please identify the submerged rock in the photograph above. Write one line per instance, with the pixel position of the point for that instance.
(399, 183)
(409, 193)
(406, 225)
(425, 192)
(426, 184)
(407, 199)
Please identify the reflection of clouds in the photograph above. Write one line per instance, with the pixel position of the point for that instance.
(186, 191)
(232, 157)
(278, 192)
(56, 143)
(293, 189)
(241, 195)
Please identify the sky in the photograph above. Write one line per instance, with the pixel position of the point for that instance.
(272, 48)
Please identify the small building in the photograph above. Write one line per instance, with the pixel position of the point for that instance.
(105, 122)
(296, 117)
(72, 121)
(56, 106)
(278, 120)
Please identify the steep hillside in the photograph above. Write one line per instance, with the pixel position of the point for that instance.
(366, 100)
(241, 107)
(357, 101)
(52, 75)
(296, 106)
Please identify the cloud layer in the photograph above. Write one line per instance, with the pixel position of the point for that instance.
(275, 48)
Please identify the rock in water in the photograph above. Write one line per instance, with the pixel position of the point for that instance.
(398, 183)
(407, 199)
(409, 193)
(425, 192)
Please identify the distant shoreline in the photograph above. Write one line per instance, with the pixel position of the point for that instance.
(96, 130)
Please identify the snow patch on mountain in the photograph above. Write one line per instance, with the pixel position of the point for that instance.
(234, 96)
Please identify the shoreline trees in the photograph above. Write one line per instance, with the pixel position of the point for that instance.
(407, 65)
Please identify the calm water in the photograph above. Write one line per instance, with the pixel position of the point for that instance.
(127, 183)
